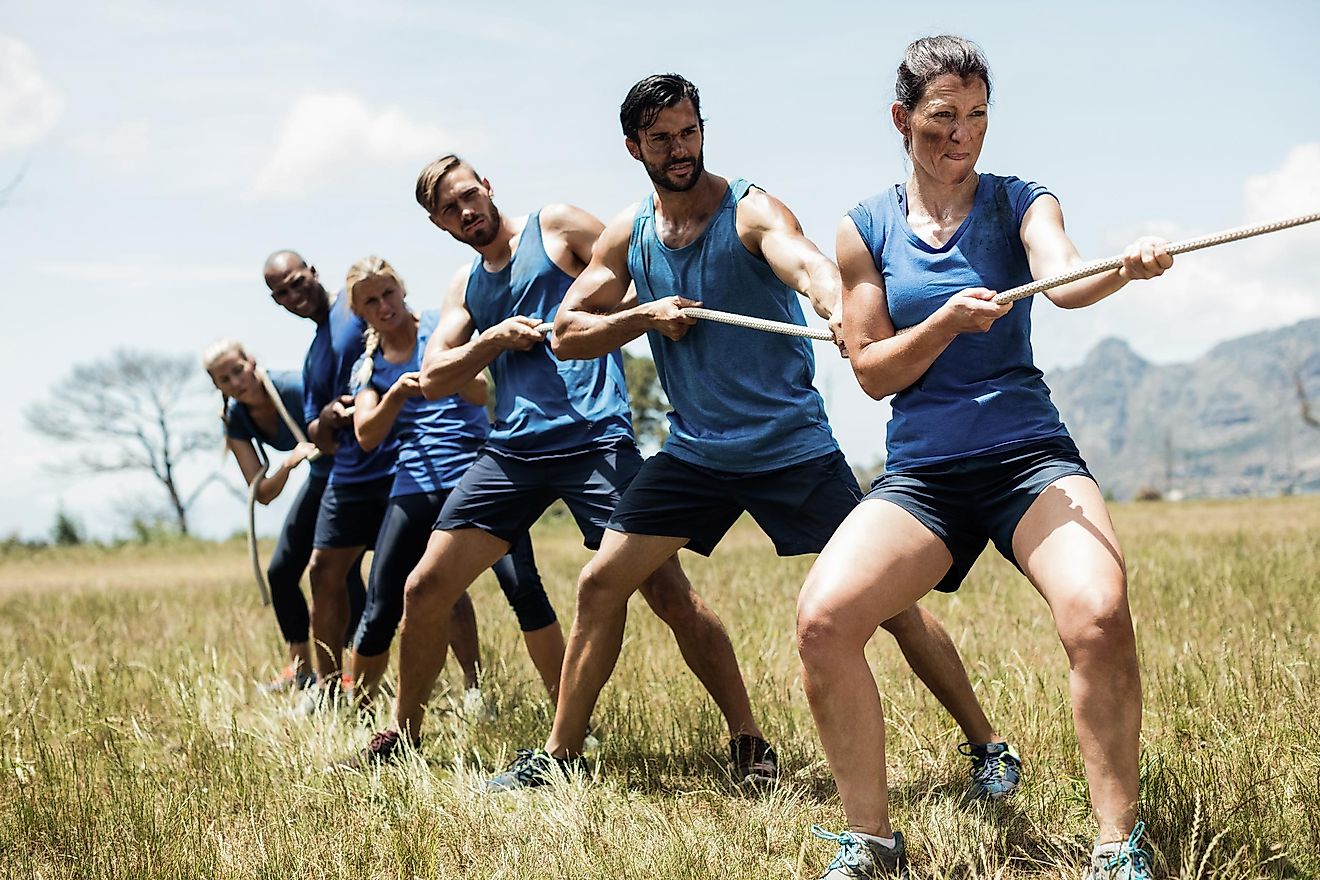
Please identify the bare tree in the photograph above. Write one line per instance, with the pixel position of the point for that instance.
(131, 411)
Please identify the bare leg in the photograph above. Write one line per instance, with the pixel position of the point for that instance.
(463, 639)
(703, 642)
(1067, 547)
(451, 563)
(300, 656)
(367, 672)
(328, 572)
(931, 654)
(604, 587)
(853, 587)
(546, 648)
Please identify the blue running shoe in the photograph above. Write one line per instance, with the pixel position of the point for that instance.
(860, 859)
(996, 768)
(1124, 860)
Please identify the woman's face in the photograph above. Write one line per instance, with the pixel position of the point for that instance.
(946, 129)
(380, 303)
(236, 377)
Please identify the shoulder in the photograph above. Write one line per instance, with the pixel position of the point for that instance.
(458, 282)
(759, 209)
(618, 232)
(1019, 193)
(567, 219)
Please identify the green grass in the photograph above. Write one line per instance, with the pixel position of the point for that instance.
(133, 743)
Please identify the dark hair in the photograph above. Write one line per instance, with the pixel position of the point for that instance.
(929, 58)
(648, 97)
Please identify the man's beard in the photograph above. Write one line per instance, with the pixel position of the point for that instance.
(485, 236)
(659, 173)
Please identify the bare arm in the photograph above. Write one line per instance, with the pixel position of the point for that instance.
(374, 413)
(270, 485)
(1051, 252)
(591, 323)
(454, 357)
(769, 230)
(886, 362)
(477, 391)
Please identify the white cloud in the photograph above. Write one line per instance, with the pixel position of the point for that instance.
(325, 136)
(29, 104)
(1293, 188)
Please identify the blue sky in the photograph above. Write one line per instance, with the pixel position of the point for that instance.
(167, 147)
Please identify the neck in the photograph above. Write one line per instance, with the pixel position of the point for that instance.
(322, 314)
(939, 199)
(679, 206)
(259, 402)
(500, 249)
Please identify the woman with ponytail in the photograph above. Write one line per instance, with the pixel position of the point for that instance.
(252, 421)
(437, 441)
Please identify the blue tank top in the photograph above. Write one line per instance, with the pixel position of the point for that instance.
(983, 393)
(239, 424)
(326, 371)
(437, 439)
(544, 405)
(743, 400)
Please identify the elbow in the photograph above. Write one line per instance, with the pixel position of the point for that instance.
(563, 348)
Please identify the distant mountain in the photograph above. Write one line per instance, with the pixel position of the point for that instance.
(1229, 423)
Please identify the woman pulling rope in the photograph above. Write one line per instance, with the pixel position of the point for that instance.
(255, 410)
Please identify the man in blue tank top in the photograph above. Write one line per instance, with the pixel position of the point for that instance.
(562, 430)
(359, 487)
(748, 430)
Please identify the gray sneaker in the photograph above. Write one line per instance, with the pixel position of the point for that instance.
(860, 859)
(533, 768)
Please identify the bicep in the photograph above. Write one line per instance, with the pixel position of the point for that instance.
(456, 326)
(604, 283)
(364, 404)
(865, 308)
(1049, 249)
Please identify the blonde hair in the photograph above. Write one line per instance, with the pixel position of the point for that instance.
(429, 180)
(364, 270)
(211, 354)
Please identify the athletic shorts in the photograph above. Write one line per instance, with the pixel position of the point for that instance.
(351, 513)
(971, 501)
(503, 496)
(799, 506)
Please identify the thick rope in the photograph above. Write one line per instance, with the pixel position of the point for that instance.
(781, 327)
(1180, 247)
(254, 554)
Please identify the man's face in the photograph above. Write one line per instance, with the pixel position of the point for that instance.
(671, 150)
(295, 286)
(465, 210)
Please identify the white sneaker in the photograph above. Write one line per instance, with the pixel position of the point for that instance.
(475, 707)
(1122, 860)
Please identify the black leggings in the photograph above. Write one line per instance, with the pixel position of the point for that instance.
(293, 550)
(404, 534)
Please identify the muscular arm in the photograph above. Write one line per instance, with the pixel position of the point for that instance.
(591, 322)
(454, 356)
(768, 229)
(374, 413)
(886, 362)
(1051, 252)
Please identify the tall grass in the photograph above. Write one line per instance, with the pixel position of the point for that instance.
(133, 742)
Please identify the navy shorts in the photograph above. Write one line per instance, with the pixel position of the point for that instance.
(351, 513)
(972, 501)
(504, 496)
(799, 506)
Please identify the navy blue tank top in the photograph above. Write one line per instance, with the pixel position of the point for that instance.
(326, 372)
(983, 392)
(743, 400)
(239, 424)
(544, 405)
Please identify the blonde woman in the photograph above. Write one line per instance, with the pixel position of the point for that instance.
(251, 419)
(437, 441)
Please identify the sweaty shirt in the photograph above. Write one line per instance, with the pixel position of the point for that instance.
(983, 392)
(743, 400)
(543, 405)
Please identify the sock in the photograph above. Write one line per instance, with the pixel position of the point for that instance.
(886, 842)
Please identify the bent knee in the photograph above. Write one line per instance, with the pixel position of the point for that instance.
(824, 629)
(1095, 619)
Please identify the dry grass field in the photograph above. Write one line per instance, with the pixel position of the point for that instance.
(133, 743)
